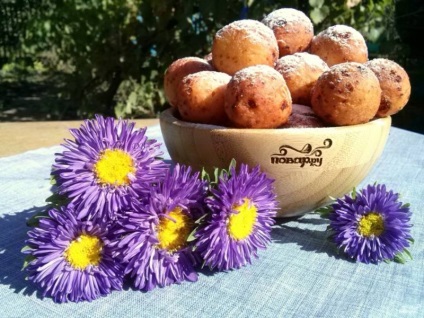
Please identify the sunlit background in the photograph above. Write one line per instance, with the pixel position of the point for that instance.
(70, 59)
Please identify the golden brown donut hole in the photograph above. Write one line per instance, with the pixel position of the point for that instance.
(346, 94)
(301, 71)
(241, 44)
(292, 28)
(340, 44)
(258, 97)
(201, 97)
(177, 71)
(394, 83)
(303, 116)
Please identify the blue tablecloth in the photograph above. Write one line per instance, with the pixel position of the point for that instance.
(299, 275)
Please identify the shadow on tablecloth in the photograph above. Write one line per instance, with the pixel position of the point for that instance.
(13, 233)
(308, 232)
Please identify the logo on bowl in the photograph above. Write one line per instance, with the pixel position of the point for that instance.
(310, 156)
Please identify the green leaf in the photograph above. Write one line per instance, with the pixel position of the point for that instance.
(201, 219)
(399, 259)
(325, 211)
(191, 236)
(408, 253)
(375, 33)
(316, 3)
(319, 14)
(204, 175)
(57, 200)
(26, 248)
(198, 222)
(216, 174)
(47, 26)
(53, 180)
(411, 240)
(403, 256)
(222, 173)
(28, 259)
(353, 194)
(35, 219)
(233, 164)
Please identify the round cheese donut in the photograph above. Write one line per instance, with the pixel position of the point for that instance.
(303, 117)
(301, 71)
(201, 97)
(241, 44)
(177, 71)
(292, 28)
(258, 97)
(394, 83)
(339, 44)
(346, 94)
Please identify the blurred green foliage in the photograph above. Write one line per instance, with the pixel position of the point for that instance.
(113, 53)
(374, 19)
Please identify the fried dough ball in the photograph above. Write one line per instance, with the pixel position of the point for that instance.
(177, 71)
(292, 28)
(303, 117)
(241, 44)
(394, 83)
(346, 94)
(339, 44)
(201, 97)
(301, 71)
(258, 97)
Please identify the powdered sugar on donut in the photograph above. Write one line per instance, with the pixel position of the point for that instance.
(345, 68)
(291, 63)
(387, 69)
(343, 35)
(289, 19)
(252, 31)
(256, 73)
(339, 44)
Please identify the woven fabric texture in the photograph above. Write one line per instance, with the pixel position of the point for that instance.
(299, 275)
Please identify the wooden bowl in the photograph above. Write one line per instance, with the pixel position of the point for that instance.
(308, 164)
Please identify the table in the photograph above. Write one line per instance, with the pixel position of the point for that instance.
(299, 275)
(17, 137)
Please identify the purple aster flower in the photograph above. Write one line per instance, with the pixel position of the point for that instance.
(152, 236)
(108, 163)
(372, 225)
(242, 210)
(71, 259)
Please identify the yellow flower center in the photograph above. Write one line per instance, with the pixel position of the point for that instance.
(241, 224)
(371, 224)
(113, 167)
(84, 251)
(173, 234)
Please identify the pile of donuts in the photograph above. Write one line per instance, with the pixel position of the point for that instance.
(277, 74)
